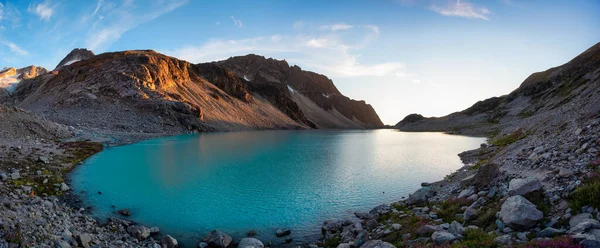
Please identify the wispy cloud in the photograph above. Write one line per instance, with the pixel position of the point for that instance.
(106, 32)
(14, 48)
(237, 22)
(97, 7)
(462, 9)
(330, 53)
(43, 10)
(336, 27)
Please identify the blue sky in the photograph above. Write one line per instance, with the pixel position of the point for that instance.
(402, 56)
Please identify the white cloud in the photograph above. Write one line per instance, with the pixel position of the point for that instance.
(122, 19)
(14, 48)
(416, 81)
(327, 54)
(43, 10)
(462, 9)
(298, 25)
(237, 22)
(336, 27)
(97, 7)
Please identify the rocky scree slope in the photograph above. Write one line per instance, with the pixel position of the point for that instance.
(149, 93)
(573, 85)
(315, 94)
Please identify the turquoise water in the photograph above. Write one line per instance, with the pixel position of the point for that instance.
(263, 180)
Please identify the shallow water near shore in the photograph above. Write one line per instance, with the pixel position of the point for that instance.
(262, 180)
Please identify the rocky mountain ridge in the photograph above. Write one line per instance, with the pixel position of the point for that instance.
(315, 94)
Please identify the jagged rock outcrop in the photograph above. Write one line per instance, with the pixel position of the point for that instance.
(147, 92)
(315, 94)
(77, 54)
(562, 88)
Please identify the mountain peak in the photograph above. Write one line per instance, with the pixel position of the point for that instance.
(75, 55)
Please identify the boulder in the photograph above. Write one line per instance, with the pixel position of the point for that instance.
(361, 238)
(332, 226)
(466, 192)
(282, 232)
(442, 237)
(549, 232)
(380, 210)
(420, 196)
(168, 242)
(469, 213)
(585, 226)
(83, 240)
(426, 230)
(43, 159)
(371, 224)
(396, 226)
(519, 213)
(139, 232)
(523, 186)
(250, 243)
(124, 212)
(217, 239)
(505, 240)
(377, 244)
(456, 228)
(578, 219)
(485, 175)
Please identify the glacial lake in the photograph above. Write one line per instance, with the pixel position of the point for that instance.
(262, 180)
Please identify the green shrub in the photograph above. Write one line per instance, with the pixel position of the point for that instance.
(509, 139)
(477, 238)
(587, 194)
(451, 207)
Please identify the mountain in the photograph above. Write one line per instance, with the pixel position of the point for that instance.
(566, 91)
(315, 94)
(10, 77)
(75, 55)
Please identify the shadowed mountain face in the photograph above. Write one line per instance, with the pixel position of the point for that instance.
(315, 94)
(565, 91)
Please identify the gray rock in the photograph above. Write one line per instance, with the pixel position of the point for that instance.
(564, 173)
(15, 175)
(364, 215)
(579, 218)
(420, 196)
(456, 228)
(466, 192)
(396, 226)
(139, 232)
(500, 225)
(469, 213)
(83, 240)
(332, 226)
(217, 239)
(344, 245)
(169, 242)
(64, 187)
(519, 213)
(523, 186)
(282, 232)
(585, 225)
(426, 230)
(371, 224)
(250, 243)
(3, 176)
(62, 244)
(377, 244)
(361, 238)
(43, 159)
(442, 237)
(549, 232)
(590, 243)
(202, 245)
(154, 230)
(505, 240)
(381, 209)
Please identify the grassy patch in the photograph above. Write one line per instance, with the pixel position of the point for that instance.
(450, 208)
(80, 150)
(477, 238)
(587, 194)
(509, 139)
